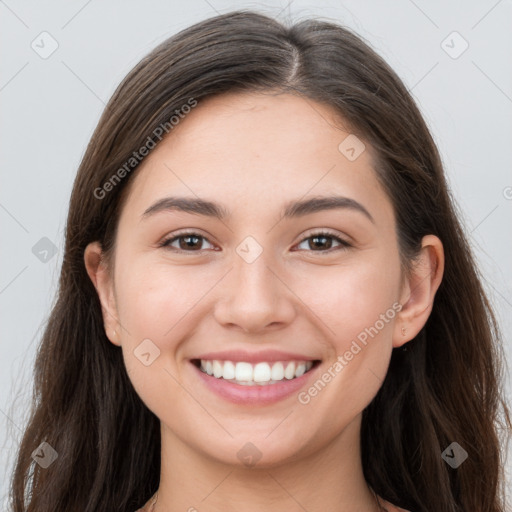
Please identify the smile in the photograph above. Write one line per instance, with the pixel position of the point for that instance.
(259, 374)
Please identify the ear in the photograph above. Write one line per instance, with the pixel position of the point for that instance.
(418, 291)
(103, 282)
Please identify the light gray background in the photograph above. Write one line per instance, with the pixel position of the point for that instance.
(51, 106)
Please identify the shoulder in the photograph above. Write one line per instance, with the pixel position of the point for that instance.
(390, 507)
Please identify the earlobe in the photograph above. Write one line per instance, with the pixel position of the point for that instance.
(419, 291)
(102, 281)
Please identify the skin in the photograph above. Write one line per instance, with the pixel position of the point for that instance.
(253, 153)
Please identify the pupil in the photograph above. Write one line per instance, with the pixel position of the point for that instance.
(323, 238)
(187, 244)
(191, 244)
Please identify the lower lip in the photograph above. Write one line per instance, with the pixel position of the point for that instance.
(254, 395)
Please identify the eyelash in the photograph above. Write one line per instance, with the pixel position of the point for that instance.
(344, 244)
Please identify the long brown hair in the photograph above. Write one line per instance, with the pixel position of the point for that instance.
(445, 387)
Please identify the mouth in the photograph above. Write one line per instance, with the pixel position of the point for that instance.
(262, 373)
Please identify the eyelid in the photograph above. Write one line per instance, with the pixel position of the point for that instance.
(336, 235)
(167, 240)
(326, 231)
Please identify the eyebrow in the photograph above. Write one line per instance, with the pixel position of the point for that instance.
(292, 209)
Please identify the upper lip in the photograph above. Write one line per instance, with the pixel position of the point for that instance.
(254, 357)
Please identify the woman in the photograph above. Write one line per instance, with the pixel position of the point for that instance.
(260, 303)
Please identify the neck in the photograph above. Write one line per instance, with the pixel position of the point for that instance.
(327, 479)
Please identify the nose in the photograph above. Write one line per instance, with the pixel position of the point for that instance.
(254, 298)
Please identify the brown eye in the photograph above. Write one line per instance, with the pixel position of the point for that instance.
(187, 242)
(323, 241)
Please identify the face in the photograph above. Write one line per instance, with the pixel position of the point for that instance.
(317, 289)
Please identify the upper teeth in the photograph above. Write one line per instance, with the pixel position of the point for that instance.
(247, 373)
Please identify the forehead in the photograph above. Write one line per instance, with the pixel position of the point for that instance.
(245, 149)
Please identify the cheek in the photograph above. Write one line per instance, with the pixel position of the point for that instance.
(154, 298)
(359, 310)
(357, 305)
(153, 304)
(350, 299)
